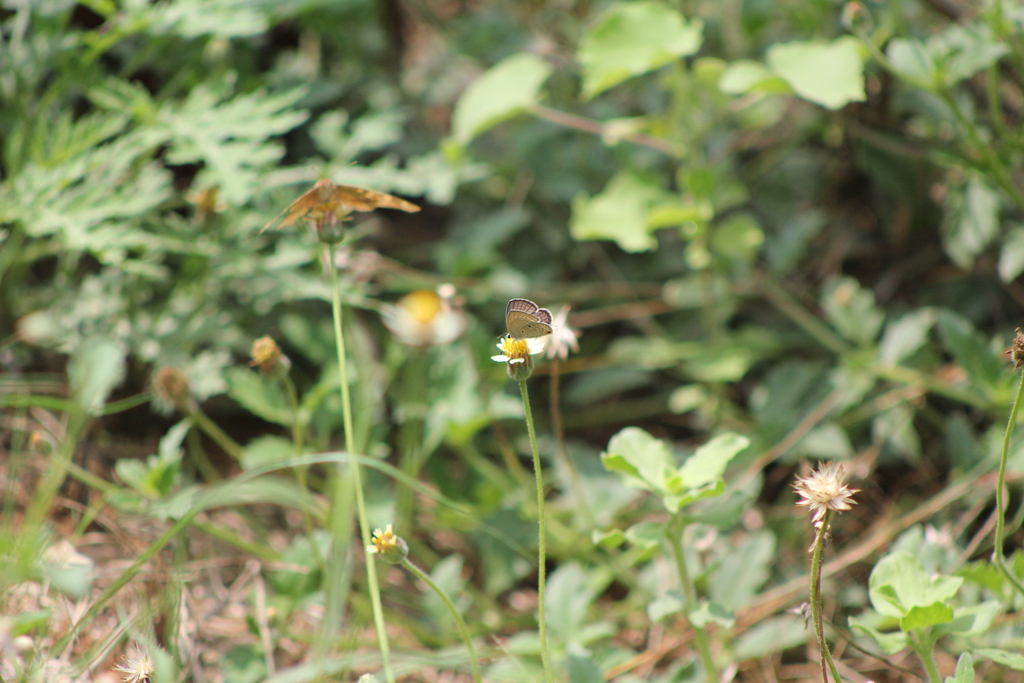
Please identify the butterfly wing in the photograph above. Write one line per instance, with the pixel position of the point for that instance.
(525, 320)
(361, 199)
(313, 198)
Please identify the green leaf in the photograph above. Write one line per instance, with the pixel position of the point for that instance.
(964, 670)
(829, 74)
(710, 460)
(974, 620)
(647, 535)
(711, 613)
(266, 450)
(960, 51)
(740, 573)
(608, 539)
(641, 459)
(984, 368)
(668, 603)
(971, 221)
(582, 667)
(260, 396)
(905, 336)
(508, 88)
(634, 38)
(746, 75)
(912, 61)
(890, 643)
(918, 617)
(94, 370)
(1011, 255)
(852, 310)
(1014, 660)
(619, 212)
(569, 595)
(771, 635)
(899, 583)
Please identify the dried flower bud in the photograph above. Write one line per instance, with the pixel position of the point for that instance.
(170, 386)
(1017, 350)
(330, 228)
(267, 356)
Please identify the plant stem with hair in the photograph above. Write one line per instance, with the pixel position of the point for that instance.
(997, 552)
(459, 622)
(357, 482)
(542, 541)
(674, 533)
(827, 664)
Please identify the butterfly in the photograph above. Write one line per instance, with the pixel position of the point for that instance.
(525, 320)
(326, 198)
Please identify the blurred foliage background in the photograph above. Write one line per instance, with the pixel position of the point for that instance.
(802, 222)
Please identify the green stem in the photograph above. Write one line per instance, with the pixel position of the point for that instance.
(211, 429)
(827, 664)
(997, 553)
(463, 631)
(300, 471)
(542, 540)
(923, 648)
(674, 532)
(357, 481)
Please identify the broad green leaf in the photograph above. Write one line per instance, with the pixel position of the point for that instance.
(960, 51)
(633, 38)
(971, 221)
(905, 336)
(912, 61)
(919, 617)
(643, 460)
(898, 583)
(711, 613)
(670, 602)
(569, 595)
(829, 74)
(964, 670)
(620, 212)
(1014, 660)
(68, 570)
(746, 75)
(266, 450)
(647, 535)
(260, 396)
(852, 310)
(582, 667)
(741, 572)
(827, 441)
(710, 460)
(984, 368)
(505, 90)
(96, 367)
(771, 635)
(974, 620)
(1011, 255)
(889, 642)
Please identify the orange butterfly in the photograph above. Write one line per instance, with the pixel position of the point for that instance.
(327, 198)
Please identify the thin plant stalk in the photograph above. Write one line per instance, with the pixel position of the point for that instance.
(459, 622)
(542, 539)
(357, 482)
(923, 648)
(675, 539)
(827, 663)
(301, 470)
(997, 552)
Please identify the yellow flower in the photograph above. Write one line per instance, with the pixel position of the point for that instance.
(390, 547)
(424, 317)
(516, 353)
(825, 489)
